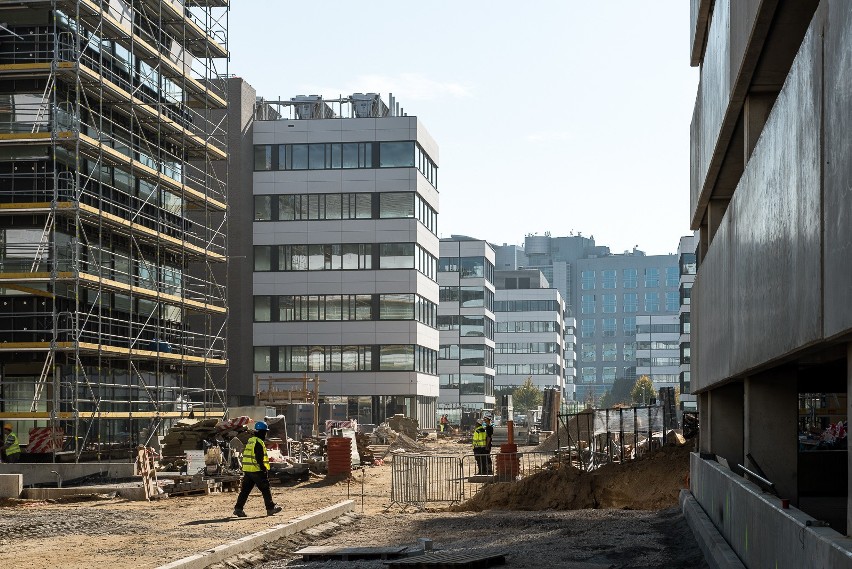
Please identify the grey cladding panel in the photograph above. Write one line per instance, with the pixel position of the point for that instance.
(771, 231)
(838, 169)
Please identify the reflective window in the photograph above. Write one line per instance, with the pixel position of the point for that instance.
(396, 154)
(630, 326)
(608, 278)
(396, 204)
(262, 208)
(608, 375)
(396, 307)
(629, 351)
(587, 304)
(652, 302)
(589, 374)
(609, 327)
(609, 303)
(588, 353)
(396, 256)
(630, 278)
(396, 357)
(587, 328)
(263, 157)
(652, 277)
(262, 308)
(672, 301)
(262, 257)
(631, 302)
(588, 280)
(262, 359)
(449, 264)
(609, 353)
(672, 276)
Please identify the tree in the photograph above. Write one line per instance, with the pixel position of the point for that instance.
(527, 396)
(620, 392)
(643, 391)
(606, 400)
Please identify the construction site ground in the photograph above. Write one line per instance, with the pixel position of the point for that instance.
(107, 532)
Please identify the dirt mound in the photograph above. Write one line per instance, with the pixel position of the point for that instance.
(650, 483)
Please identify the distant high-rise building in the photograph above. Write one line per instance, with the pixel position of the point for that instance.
(466, 325)
(608, 295)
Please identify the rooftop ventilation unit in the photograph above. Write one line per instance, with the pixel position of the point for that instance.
(367, 105)
(311, 107)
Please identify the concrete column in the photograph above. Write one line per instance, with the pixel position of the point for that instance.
(771, 428)
(756, 110)
(715, 212)
(726, 422)
(704, 444)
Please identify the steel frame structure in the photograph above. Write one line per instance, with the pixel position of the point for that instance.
(113, 209)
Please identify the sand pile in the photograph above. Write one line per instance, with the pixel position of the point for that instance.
(650, 483)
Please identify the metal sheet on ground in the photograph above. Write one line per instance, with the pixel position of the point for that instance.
(450, 559)
(317, 552)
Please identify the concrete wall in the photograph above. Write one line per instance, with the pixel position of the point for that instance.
(760, 532)
(762, 270)
(41, 473)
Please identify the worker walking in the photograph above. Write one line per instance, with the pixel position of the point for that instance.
(10, 449)
(256, 472)
(480, 447)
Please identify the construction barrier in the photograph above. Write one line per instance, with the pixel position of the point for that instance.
(421, 479)
(45, 439)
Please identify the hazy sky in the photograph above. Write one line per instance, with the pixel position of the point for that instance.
(556, 116)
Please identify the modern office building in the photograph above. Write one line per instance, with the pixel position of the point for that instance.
(345, 254)
(530, 338)
(658, 349)
(466, 324)
(771, 310)
(688, 267)
(113, 196)
(608, 294)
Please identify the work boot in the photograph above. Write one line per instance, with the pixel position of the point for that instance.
(240, 513)
(272, 511)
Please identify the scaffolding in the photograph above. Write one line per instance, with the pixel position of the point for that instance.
(113, 204)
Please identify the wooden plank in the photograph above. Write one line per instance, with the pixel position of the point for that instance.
(319, 552)
(450, 559)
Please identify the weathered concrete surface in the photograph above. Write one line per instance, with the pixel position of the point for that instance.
(40, 473)
(11, 485)
(717, 552)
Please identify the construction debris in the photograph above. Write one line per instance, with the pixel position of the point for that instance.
(405, 425)
(191, 435)
(397, 442)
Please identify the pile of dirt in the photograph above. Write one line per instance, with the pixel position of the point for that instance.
(649, 483)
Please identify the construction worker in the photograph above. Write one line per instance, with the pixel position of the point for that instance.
(11, 449)
(480, 447)
(256, 472)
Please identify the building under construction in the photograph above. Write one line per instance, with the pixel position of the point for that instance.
(112, 218)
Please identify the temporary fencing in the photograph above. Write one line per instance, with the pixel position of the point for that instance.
(595, 437)
(423, 479)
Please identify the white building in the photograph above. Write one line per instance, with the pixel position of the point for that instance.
(345, 255)
(466, 324)
(688, 266)
(530, 338)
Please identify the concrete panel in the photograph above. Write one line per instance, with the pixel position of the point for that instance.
(767, 246)
(759, 531)
(838, 170)
(11, 485)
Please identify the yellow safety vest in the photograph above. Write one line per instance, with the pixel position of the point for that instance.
(249, 461)
(479, 437)
(12, 441)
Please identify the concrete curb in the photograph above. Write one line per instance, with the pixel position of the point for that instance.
(256, 540)
(717, 552)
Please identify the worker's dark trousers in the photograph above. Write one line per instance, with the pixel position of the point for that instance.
(250, 480)
(483, 460)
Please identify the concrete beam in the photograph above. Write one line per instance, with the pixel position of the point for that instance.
(726, 422)
(11, 485)
(256, 540)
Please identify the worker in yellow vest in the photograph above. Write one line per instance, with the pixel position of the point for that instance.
(256, 472)
(480, 447)
(11, 449)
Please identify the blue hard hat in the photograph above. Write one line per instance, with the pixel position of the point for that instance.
(261, 426)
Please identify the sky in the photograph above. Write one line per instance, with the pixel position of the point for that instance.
(560, 116)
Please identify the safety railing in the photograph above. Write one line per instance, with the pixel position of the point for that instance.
(592, 438)
(420, 480)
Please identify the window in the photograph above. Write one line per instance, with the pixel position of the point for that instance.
(587, 304)
(262, 308)
(686, 294)
(652, 277)
(472, 355)
(587, 280)
(396, 307)
(448, 264)
(609, 303)
(396, 154)
(472, 267)
(448, 352)
(609, 353)
(262, 208)
(631, 302)
(672, 301)
(589, 374)
(608, 375)
(396, 357)
(448, 294)
(688, 266)
(610, 327)
(652, 302)
(262, 358)
(630, 277)
(587, 328)
(685, 353)
(672, 276)
(629, 351)
(685, 323)
(472, 326)
(396, 256)
(263, 257)
(588, 353)
(471, 297)
(263, 157)
(608, 279)
(396, 205)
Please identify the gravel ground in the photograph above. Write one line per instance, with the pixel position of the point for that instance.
(580, 539)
